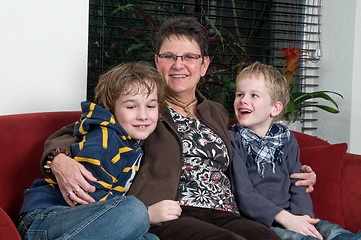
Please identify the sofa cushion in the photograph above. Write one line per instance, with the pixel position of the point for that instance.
(327, 162)
(305, 140)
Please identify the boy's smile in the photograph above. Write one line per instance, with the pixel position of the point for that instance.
(136, 111)
(253, 105)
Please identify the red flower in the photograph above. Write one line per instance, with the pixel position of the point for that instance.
(292, 56)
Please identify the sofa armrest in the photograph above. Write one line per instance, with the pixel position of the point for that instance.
(350, 191)
(7, 228)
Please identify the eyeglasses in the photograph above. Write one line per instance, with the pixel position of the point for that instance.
(187, 58)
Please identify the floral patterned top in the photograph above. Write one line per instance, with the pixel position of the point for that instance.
(203, 182)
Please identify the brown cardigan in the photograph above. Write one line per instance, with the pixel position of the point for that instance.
(159, 174)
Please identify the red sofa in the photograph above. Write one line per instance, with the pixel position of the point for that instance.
(336, 197)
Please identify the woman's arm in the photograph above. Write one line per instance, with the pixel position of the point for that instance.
(69, 174)
(72, 176)
(62, 138)
(308, 178)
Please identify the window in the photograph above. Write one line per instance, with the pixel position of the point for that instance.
(240, 32)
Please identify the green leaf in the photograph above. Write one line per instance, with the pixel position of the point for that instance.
(123, 8)
(301, 97)
(218, 32)
(323, 107)
(134, 47)
(296, 103)
(230, 85)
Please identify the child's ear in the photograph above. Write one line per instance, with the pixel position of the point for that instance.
(277, 109)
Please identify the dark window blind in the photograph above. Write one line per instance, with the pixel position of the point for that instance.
(240, 32)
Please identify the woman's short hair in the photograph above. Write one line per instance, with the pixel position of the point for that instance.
(182, 27)
(119, 79)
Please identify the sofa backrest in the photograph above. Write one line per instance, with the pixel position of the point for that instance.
(21, 146)
(22, 138)
(305, 140)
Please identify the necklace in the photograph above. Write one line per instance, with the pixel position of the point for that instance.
(185, 107)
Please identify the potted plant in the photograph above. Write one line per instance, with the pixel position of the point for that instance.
(298, 100)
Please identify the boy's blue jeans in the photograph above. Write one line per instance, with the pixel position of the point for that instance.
(328, 230)
(119, 218)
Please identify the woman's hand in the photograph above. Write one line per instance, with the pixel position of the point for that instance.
(308, 178)
(163, 211)
(72, 180)
(301, 224)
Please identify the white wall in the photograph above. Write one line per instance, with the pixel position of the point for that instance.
(340, 71)
(43, 61)
(355, 138)
(43, 55)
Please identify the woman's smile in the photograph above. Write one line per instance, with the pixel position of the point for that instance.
(181, 77)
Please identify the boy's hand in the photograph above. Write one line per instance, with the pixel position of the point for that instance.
(308, 178)
(301, 224)
(72, 178)
(163, 211)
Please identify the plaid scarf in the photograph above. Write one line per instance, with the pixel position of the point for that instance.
(265, 149)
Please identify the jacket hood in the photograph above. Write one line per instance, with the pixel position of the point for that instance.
(93, 116)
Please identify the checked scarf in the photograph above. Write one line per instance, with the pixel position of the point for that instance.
(265, 149)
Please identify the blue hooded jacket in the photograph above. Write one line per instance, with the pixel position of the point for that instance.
(105, 149)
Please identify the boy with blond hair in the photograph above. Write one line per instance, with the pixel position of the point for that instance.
(266, 153)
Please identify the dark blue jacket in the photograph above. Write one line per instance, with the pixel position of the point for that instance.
(263, 198)
(105, 149)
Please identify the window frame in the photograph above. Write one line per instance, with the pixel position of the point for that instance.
(288, 24)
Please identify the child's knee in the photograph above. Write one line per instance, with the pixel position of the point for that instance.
(136, 210)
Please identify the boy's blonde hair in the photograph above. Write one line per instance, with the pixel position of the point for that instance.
(274, 80)
(121, 78)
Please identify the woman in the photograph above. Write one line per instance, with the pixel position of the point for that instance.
(187, 158)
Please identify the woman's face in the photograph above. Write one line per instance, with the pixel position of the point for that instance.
(181, 78)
